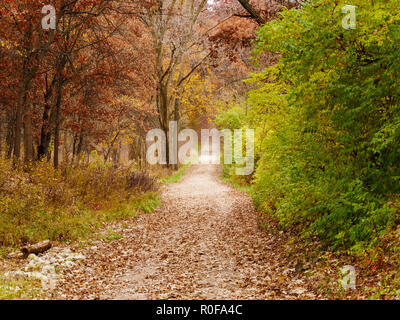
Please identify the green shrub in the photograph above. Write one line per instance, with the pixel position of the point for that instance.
(327, 120)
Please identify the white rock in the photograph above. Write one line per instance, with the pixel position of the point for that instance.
(78, 256)
(66, 253)
(34, 265)
(37, 275)
(298, 281)
(49, 283)
(53, 260)
(69, 264)
(39, 260)
(298, 291)
(32, 257)
(49, 269)
(18, 274)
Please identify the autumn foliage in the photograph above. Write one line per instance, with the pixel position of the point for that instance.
(76, 88)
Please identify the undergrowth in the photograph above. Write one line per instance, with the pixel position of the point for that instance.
(39, 202)
(176, 176)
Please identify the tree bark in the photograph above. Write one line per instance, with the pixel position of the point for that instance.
(57, 123)
(10, 135)
(18, 119)
(45, 132)
(163, 108)
(36, 248)
(177, 119)
(253, 12)
(28, 138)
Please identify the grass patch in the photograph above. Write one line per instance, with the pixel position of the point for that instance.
(147, 203)
(111, 235)
(238, 185)
(19, 289)
(228, 177)
(176, 176)
(61, 225)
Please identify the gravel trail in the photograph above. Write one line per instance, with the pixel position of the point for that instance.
(202, 243)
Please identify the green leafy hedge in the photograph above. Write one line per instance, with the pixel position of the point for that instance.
(327, 121)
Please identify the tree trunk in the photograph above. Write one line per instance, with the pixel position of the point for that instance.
(177, 119)
(18, 119)
(10, 136)
(57, 123)
(28, 138)
(45, 133)
(143, 162)
(36, 248)
(78, 146)
(253, 12)
(1, 139)
(163, 115)
(65, 149)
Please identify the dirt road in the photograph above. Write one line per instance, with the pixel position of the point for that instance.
(203, 243)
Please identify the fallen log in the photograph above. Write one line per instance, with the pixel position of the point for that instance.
(36, 248)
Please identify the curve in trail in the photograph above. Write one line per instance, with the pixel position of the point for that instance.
(203, 243)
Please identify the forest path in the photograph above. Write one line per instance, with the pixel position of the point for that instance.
(203, 243)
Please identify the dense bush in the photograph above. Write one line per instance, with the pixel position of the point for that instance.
(43, 203)
(327, 121)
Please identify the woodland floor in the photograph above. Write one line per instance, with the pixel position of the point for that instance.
(203, 243)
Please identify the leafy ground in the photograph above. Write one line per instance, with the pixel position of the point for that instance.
(23, 287)
(205, 242)
(377, 267)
